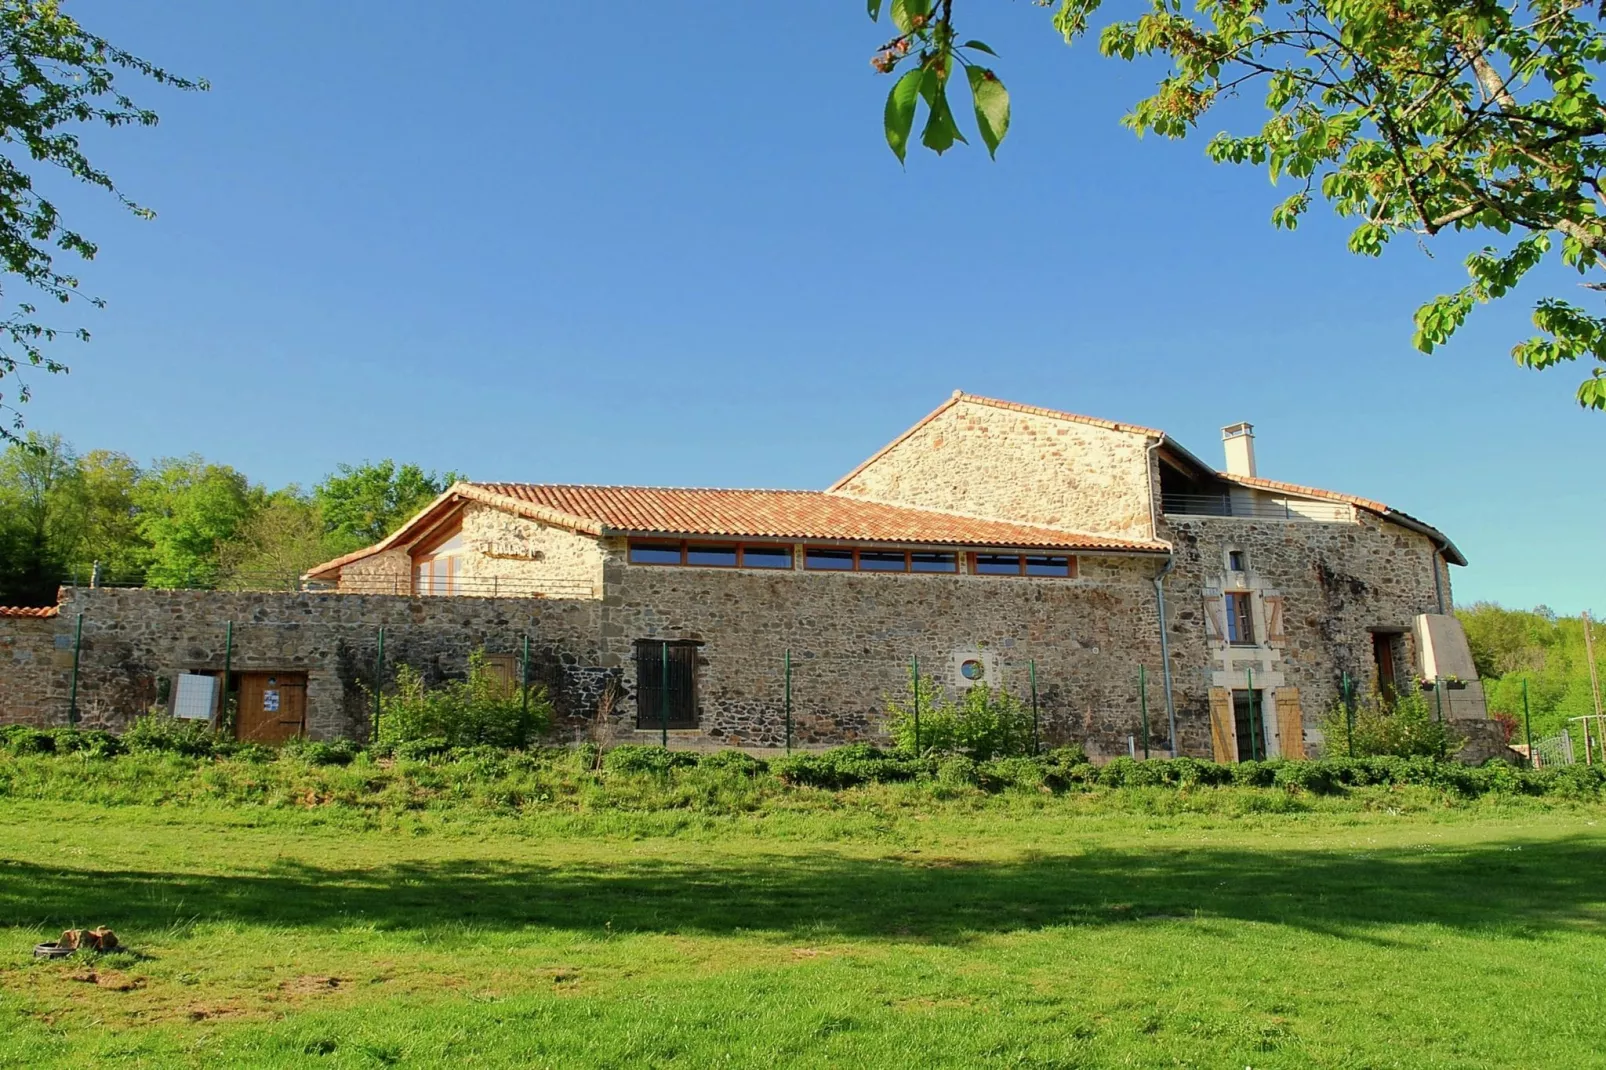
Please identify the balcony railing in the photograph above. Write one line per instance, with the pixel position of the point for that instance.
(1255, 507)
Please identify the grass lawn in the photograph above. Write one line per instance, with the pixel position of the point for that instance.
(1063, 935)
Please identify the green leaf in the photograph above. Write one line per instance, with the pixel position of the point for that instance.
(875, 10)
(992, 106)
(900, 112)
(940, 131)
(979, 47)
(904, 12)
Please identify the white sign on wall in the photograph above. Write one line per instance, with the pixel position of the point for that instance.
(975, 667)
(194, 696)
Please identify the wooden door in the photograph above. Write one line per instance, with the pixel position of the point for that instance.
(272, 707)
(1290, 722)
(1223, 734)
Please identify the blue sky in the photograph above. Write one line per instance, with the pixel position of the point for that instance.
(595, 243)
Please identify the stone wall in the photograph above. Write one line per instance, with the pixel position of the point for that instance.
(527, 556)
(852, 635)
(1337, 582)
(504, 556)
(985, 460)
(32, 671)
(135, 638)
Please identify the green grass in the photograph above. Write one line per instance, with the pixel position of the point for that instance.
(886, 927)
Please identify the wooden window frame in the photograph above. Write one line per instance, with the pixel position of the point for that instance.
(423, 556)
(1072, 567)
(688, 545)
(1242, 623)
(908, 568)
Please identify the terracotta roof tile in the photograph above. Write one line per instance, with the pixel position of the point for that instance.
(29, 611)
(796, 514)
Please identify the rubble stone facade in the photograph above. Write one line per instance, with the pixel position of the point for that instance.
(1327, 592)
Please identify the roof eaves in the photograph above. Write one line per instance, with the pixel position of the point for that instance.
(389, 541)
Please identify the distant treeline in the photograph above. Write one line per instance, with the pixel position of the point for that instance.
(182, 520)
(1510, 646)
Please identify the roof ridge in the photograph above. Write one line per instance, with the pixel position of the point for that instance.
(647, 486)
(1059, 414)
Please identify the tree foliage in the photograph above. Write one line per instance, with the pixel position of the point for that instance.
(1513, 647)
(181, 521)
(364, 503)
(55, 78)
(1407, 116)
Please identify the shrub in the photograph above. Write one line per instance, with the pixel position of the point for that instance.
(985, 723)
(421, 750)
(637, 758)
(1029, 773)
(1405, 727)
(318, 752)
(20, 739)
(88, 741)
(1318, 778)
(160, 731)
(846, 767)
(735, 761)
(958, 770)
(479, 709)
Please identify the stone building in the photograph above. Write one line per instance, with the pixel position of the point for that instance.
(990, 542)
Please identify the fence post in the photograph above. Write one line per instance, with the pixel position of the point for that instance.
(1527, 727)
(1349, 713)
(1254, 733)
(1036, 741)
(1438, 700)
(786, 663)
(77, 645)
(524, 681)
(379, 678)
(663, 694)
(228, 668)
(1143, 705)
(914, 663)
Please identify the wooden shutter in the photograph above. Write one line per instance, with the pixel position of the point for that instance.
(1222, 730)
(1273, 602)
(653, 706)
(1215, 614)
(1290, 722)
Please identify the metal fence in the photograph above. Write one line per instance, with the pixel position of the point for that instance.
(469, 586)
(1254, 506)
(1553, 750)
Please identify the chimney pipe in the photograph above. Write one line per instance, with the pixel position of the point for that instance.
(1239, 442)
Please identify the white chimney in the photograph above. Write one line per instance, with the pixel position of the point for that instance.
(1239, 442)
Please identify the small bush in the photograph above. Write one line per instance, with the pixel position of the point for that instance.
(92, 742)
(846, 767)
(735, 761)
(161, 732)
(637, 758)
(1402, 727)
(1318, 778)
(420, 750)
(20, 740)
(318, 752)
(985, 723)
(481, 709)
(958, 770)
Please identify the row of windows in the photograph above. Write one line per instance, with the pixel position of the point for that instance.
(844, 559)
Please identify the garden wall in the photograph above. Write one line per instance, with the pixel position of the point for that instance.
(135, 639)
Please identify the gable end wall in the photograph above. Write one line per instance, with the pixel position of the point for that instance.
(986, 461)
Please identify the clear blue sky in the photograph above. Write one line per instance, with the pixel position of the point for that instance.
(630, 243)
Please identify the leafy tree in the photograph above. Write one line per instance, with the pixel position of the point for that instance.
(40, 518)
(110, 535)
(1407, 116)
(277, 543)
(1513, 647)
(362, 504)
(188, 509)
(54, 78)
